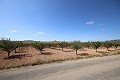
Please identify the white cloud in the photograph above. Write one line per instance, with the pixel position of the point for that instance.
(90, 22)
(102, 29)
(41, 33)
(14, 31)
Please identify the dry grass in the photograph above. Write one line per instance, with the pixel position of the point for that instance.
(31, 56)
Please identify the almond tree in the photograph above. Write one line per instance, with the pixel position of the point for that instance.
(87, 44)
(54, 45)
(107, 44)
(63, 44)
(116, 44)
(7, 45)
(17, 44)
(96, 45)
(76, 46)
(39, 45)
(48, 45)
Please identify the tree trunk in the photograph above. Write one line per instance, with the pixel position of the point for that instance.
(15, 51)
(88, 47)
(8, 53)
(62, 48)
(96, 50)
(19, 48)
(76, 52)
(115, 48)
(108, 49)
(41, 52)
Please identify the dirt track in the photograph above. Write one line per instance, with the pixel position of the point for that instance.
(100, 68)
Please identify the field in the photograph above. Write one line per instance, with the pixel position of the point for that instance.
(29, 55)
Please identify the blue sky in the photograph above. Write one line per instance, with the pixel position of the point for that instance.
(68, 20)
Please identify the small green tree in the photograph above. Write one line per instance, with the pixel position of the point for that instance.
(54, 45)
(76, 46)
(15, 43)
(39, 45)
(116, 44)
(96, 45)
(87, 44)
(48, 45)
(107, 44)
(67, 44)
(20, 44)
(7, 45)
(62, 44)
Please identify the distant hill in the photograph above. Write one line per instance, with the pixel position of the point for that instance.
(28, 41)
(116, 40)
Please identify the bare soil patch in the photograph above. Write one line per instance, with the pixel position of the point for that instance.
(29, 55)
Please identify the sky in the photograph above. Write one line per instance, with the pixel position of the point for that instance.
(62, 20)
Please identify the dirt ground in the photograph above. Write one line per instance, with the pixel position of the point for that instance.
(29, 55)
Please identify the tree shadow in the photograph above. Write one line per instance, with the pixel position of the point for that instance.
(103, 52)
(68, 51)
(83, 54)
(112, 50)
(47, 53)
(58, 49)
(117, 49)
(18, 56)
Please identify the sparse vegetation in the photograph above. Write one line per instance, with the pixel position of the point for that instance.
(26, 49)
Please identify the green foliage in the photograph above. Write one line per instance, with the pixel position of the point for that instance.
(87, 44)
(116, 44)
(63, 44)
(7, 45)
(17, 44)
(107, 44)
(48, 44)
(54, 45)
(39, 45)
(20, 44)
(76, 45)
(96, 45)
